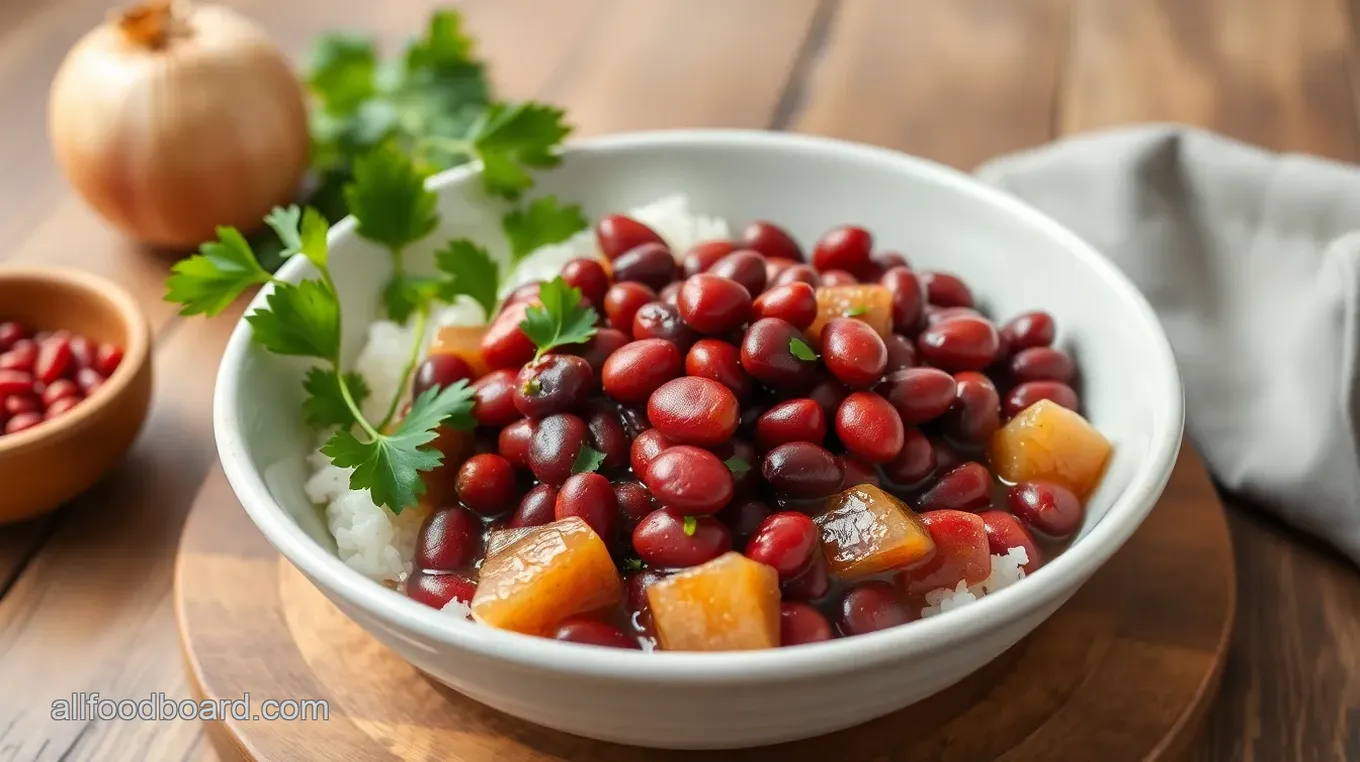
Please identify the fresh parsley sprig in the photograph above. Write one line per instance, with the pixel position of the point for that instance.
(559, 318)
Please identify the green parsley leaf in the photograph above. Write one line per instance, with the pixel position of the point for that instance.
(801, 350)
(389, 199)
(511, 139)
(340, 73)
(389, 466)
(302, 319)
(856, 311)
(212, 279)
(544, 221)
(325, 405)
(736, 465)
(404, 293)
(560, 319)
(301, 232)
(443, 46)
(630, 564)
(285, 221)
(691, 525)
(587, 460)
(474, 273)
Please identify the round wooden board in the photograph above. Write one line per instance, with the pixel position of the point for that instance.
(1124, 671)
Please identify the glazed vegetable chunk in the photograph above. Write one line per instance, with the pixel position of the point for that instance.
(870, 303)
(1048, 442)
(867, 531)
(728, 604)
(544, 575)
(462, 341)
(961, 553)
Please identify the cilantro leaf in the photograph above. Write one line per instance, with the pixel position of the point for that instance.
(630, 564)
(544, 221)
(443, 46)
(511, 139)
(340, 73)
(736, 465)
(389, 199)
(559, 319)
(474, 273)
(801, 350)
(212, 279)
(856, 311)
(404, 293)
(325, 405)
(389, 465)
(302, 319)
(587, 460)
(691, 525)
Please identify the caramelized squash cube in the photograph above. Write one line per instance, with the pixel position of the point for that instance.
(728, 604)
(463, 341)
(871, 303)
(543, 576)
(867, 531)
(1048, 442)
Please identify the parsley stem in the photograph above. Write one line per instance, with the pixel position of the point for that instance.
(457, 146)
(354, 407)
(422, 317)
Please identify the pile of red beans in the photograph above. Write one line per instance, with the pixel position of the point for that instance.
(45, 374)
(723, 425)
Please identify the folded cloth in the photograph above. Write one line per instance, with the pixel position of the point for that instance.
(1250, 260)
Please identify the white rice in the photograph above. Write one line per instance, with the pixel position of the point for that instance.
(1007, 569)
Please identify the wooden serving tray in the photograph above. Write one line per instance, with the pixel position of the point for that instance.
(1124, 671)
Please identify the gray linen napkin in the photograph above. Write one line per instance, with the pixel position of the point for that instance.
(1250, 259)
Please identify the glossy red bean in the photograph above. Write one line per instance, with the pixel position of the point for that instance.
(901, 353)
(504, 345)
(604, 343)
(771, 241)
(89, 380)
(797, 274)
(635, 503)
(961, 553)
(833, 278)
(745, 267)
(793, 302)
(527, 292)
(10, 332)
(694, 410)
(800, 624)
(947, 457)
(828, 393)
(796, 420)
(742, 517)
(589, 497)
(857, 472)
(54, 356)
(962, 343)
(1049, 509)
(82, 351)
(935, 315)
(15, 382)
(21, 403)
(1041, 364)
(593, 633)
(622, 302)
(536, 508)
(493, 401)
(513, 442)
(486, 484)
(920, 394)
(870, 607)
(636, 370)
(747, 480)
(690, 479)
(802, 470)
(975, 414)
(946, 290)
(661, 539)
(703, 255)
(439, 371)
(646, 446)
(606, 433)
(670, 294)
(812, 584)
(589, 276)
(23, 421)
(59, 389)
(59, 407)
(552, 384)
(774, 266)
(1004, 532)
(720, 361)
(438, 589)
(638, 608)
(618, 234)
(650, 264)
(21, 356)
(767, 355)
(908, 299)
(555, 445)
(843, 248)
(890, 259)
(869, 427)
(854, 352)
(449, 540)
(914, 462)
(786, 541)
(1027, 394)
(965, 488)
(659, 320)
(1031, 329)
(713, 304)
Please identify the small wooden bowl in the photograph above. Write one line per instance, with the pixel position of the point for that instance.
(49, 464)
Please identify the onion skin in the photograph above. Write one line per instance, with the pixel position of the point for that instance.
(169, 138)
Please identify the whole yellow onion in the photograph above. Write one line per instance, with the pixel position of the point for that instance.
(171, 121)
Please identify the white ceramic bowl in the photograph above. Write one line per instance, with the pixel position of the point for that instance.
(1013, 257)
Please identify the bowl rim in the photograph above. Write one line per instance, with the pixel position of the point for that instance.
(135, 354)
(1049, 586)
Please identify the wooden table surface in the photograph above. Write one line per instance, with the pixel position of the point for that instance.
(86, 591)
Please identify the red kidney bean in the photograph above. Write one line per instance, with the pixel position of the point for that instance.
(1031, 329)
(771, 241)
(589, 276)
(813, 583)
(908, 299)
(854, 352)
(650, 264)
(593, 633)
(961, 553)
(869, 272)
(1041, 364)
(712, 304)
(437, 590)
(842, 248)
(504, 345)
(870, 607)
(802, 470)
(869, 427)
(914, 462)
(1004, 532)
(767, 355)
(659, 320)
(965, 488)
(962, 343)
(1049, 509)
(857, 472)
(622, 302)
(54, 355)
(439, 371)
(920, 394)
(23, 421)
(946, 457)
(646, 446)
(890, 259)
(742, 517)
(975, 414)
(513, 442)
(604, 343)
(670, 294)
(694, 410)
(833, 278)
(606, 433)
(828, 393)
(527, 292)
(493, 401)
(690, 479)
(746, 481)
(634, 419)
(793, 302)
(935, 315)
(797, 274)
(449, 540)
(82, 351)
(618, 234)
(1027, 394)
(901, 353)
(720, 361)
(10, 332)
(589, 497)
(536, 508)
(703, 255)
(21, 403)
(796, 420)
(552, 384)
(743, 266)
(14, 382)
(59, 389)
(774, 266)
(660, 539)
(21, 356)
(786, 541)
(800, 624)
(636, 370)
(555, 445)
(946, 290)
(634, 501)
(635, 599)
(486, 484)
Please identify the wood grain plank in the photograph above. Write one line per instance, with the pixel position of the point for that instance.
(958, 82)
